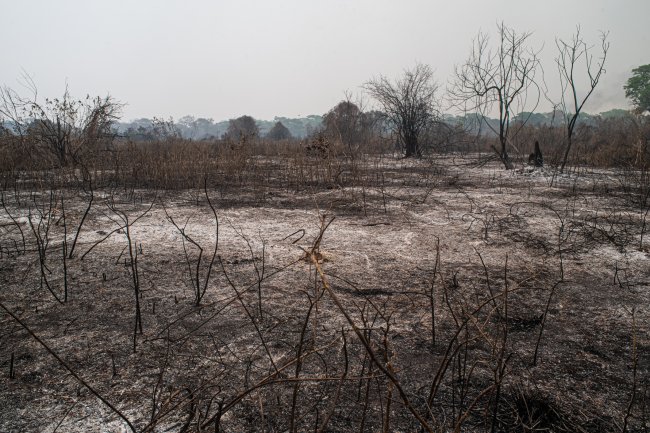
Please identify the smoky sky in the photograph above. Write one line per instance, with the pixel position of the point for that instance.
(222, 59)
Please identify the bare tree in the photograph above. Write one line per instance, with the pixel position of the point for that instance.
(410, 104)
(569, 55)
(498, 81)
(61, 127)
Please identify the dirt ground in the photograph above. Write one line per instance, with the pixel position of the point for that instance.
(538, 285)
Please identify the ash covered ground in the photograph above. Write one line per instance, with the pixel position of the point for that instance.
(453, 295)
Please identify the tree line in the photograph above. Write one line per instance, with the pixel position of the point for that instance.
(500, 84)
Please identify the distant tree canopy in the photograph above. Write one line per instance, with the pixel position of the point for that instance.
(279, 132)
(344, 121)
(241, 128)
(638, 88)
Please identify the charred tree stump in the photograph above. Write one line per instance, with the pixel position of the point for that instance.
(536, 159)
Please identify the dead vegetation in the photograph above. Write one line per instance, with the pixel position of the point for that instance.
(190, 286)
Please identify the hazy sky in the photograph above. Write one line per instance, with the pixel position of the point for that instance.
(221, 59)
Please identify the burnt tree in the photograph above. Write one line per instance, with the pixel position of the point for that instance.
(497, 82)
(409, 103)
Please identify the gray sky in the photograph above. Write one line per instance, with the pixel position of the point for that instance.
(222, 59)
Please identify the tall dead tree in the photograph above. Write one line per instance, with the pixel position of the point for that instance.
(409, 103)
(569, 55)
(497, 81)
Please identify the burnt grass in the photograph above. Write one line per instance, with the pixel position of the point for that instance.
(537, 285)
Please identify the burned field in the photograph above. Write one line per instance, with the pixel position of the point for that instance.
(440, 296)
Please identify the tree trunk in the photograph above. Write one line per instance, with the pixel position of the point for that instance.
(412, 148)
(505, 158)
(566, 152)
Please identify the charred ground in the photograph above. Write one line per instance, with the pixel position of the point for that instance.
(436, 294)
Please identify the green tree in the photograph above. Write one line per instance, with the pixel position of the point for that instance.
(638, 88)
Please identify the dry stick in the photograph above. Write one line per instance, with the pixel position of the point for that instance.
(294, 396)
(316, 379)
(502, 360)
(223, 307)
(170, 408)
(366, 400)
(541, 327)
(201, 415)
(337, 395)
(70, 370)
(101, 240)
(83, 218)
(465, 388)
(117, 261)
(133, 264)
(12, 374)
(360, 292)
(383, 191)
(261, 410)
(64, 248)
(432, 300)
(365, 343)
(117, 230)
(316, 245)
(42, 249)
(265, 381)
(560, 230)
(248, 313)
(389, 386)
(635, 361)
(367, 330)
(190, 414)
(22, 234)
(444, 365)
(487, 280)
(216, 243)
(455, 370)
(644, 405)
(302, 234)
(217, 420)
(157, 388)
(449, 354)
(136, 284)
(645, 215)
(196, 281)
(467, 412)
(196, 285)
(136, 273)
(260, 275)
(365, 355)
(445, 293)
(65, 415)
(260, 278)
